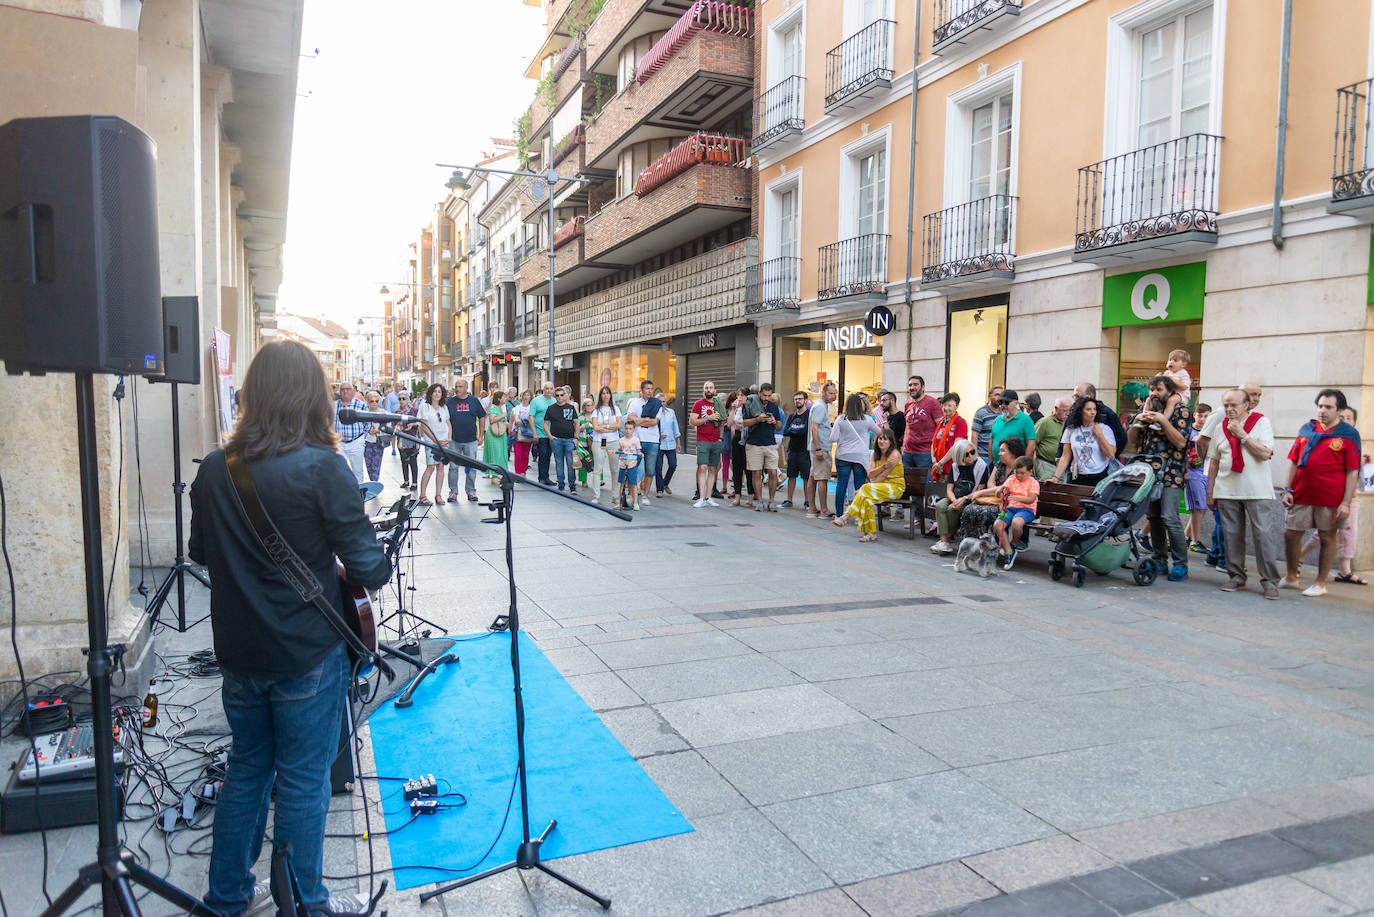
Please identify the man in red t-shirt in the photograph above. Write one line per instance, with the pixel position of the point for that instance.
(922, 414)
(706, 419)
(1324, 464)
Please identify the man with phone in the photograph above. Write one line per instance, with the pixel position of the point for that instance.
(762, 418)
(706, 419)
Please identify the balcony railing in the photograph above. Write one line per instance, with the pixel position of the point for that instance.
(1150, 196)
(970, 239)
(569, 231)
(861, 62)
(853, 266)
(702, 16)
(774, 284)
(563, 148)
(569, 55)
(955, 17)
(1352, 168)
(699, 147)
(778, 111)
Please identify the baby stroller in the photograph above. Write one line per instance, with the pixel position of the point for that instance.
(1100, 540)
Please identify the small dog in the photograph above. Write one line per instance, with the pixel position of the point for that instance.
(977, 556)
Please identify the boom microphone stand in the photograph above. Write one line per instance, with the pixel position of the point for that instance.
(115, 869)
(180, 567)
(527, 854)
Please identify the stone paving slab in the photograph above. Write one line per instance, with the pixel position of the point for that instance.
(755, 714)
(705, 677)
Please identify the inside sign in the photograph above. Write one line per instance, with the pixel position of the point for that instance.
(848, 337)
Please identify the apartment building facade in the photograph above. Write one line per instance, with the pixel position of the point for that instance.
(649, 106)
(1090, 184)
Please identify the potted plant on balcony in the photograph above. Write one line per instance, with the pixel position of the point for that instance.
(700, 149)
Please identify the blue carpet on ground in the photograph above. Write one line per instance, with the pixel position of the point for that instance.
(462, 730)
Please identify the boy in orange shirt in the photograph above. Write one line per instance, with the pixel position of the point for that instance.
(1020, 494)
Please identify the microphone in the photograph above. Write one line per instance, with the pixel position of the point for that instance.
(348, 415)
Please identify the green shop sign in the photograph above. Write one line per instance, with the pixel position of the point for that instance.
(1166, 294)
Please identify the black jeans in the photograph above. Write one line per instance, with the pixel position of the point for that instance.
(739, 473)
(544, 449)
(410, 473)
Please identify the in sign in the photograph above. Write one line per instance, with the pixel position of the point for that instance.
(879, 320)
(848, 337)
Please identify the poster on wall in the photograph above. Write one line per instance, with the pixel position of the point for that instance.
(225, 408)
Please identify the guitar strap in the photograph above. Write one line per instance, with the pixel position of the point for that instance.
(297, 573)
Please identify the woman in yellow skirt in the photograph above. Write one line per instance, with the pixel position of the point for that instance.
(886, 481)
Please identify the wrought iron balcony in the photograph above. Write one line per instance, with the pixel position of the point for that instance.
(853, 267)
(1162, 196)
(862, 62)
(701, 16)
(699, 147)
(778, 112)
(957, 20)
(1352, 167)
(774, 284)
(569, 231)
(969, 242)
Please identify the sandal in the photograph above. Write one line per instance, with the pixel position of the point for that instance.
(868, 537)
(1353, 579)
(424, 501)
(840, 521)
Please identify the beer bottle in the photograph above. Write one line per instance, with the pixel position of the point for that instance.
(150, 705)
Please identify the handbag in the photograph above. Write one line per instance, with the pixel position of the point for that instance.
(988, 500)
(295, 570)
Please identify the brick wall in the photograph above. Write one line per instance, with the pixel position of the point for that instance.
(694, 295)
(704, 184)
(610, 22)
(535, 270)
(541, 111)
(727, 56)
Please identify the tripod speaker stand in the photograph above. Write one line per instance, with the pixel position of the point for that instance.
(115, 870)
(180, 566)
(527, 854)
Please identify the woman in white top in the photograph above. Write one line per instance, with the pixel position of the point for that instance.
(852, 434)
(433, 413)
(606, 424)
(524, 433)
(1089, 445)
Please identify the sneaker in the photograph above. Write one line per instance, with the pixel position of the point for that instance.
(1197, 548)
(637, 505)
(1178, 573)
(667, 490)
(1142, 540)
(346, 904)
(644, 500)
(1235, 584)
(771, 507)
(1011, 560)
(715, 492)
(813, 515)
(699, 504)
(710, 502)
(660, 494)
(785, 504)
(1314, 591)
(472, 498)
(1212, 562)
(1271, 592)
(453, 498)
(758, 507)
(1287, 583)
(262, 899)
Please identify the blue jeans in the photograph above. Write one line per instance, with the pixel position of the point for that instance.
(667, 464)
(650, 463)
(468, 450)
(917, 460)
(843, 471)
(285, 731)
(543, 451)
(562, 462)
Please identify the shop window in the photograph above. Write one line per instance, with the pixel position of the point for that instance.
(845, 355)
(624, 368)
(977, 351)
(1144, 351)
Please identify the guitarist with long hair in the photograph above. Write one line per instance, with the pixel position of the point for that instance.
(286, 667)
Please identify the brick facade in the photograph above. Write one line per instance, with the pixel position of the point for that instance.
(703, 292)
(535, 271)
(705, 184)
(541, 111)
(726, 57)
(610, 22)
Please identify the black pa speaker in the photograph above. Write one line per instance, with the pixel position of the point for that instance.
(80, 289)
(181, 339)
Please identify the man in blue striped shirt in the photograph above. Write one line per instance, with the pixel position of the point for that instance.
(351, 434)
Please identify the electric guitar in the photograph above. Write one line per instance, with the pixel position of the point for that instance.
(357, 610)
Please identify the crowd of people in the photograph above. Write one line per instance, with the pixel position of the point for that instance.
(761, 450)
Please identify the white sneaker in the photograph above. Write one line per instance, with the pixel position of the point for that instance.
(710, 502)
(644, 500)
(1314, 591)
(699, 504)
(262, 899)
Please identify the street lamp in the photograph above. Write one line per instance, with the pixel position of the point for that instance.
(457, 181)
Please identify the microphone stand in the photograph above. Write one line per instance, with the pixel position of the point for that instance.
(527, 854)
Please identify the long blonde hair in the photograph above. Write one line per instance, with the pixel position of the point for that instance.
(284, 403)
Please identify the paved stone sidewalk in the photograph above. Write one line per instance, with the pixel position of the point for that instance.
(856, 729)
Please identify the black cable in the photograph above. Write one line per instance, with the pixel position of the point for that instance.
(145, 549)
(118, 396)
(19, 664)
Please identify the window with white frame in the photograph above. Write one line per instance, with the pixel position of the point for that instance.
(980, 165)
(871, 200)
(862, 254)
(1174, 78)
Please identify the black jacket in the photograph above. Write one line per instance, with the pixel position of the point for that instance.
(262, 626)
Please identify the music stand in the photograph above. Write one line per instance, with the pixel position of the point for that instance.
(527, 854)
(404, 527)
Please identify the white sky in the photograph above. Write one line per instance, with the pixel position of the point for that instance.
(396, 88)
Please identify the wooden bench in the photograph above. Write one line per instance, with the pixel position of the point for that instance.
(1058, 503)
(913, 500)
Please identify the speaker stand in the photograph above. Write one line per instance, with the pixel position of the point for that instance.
(180, 567)
(115, 871)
